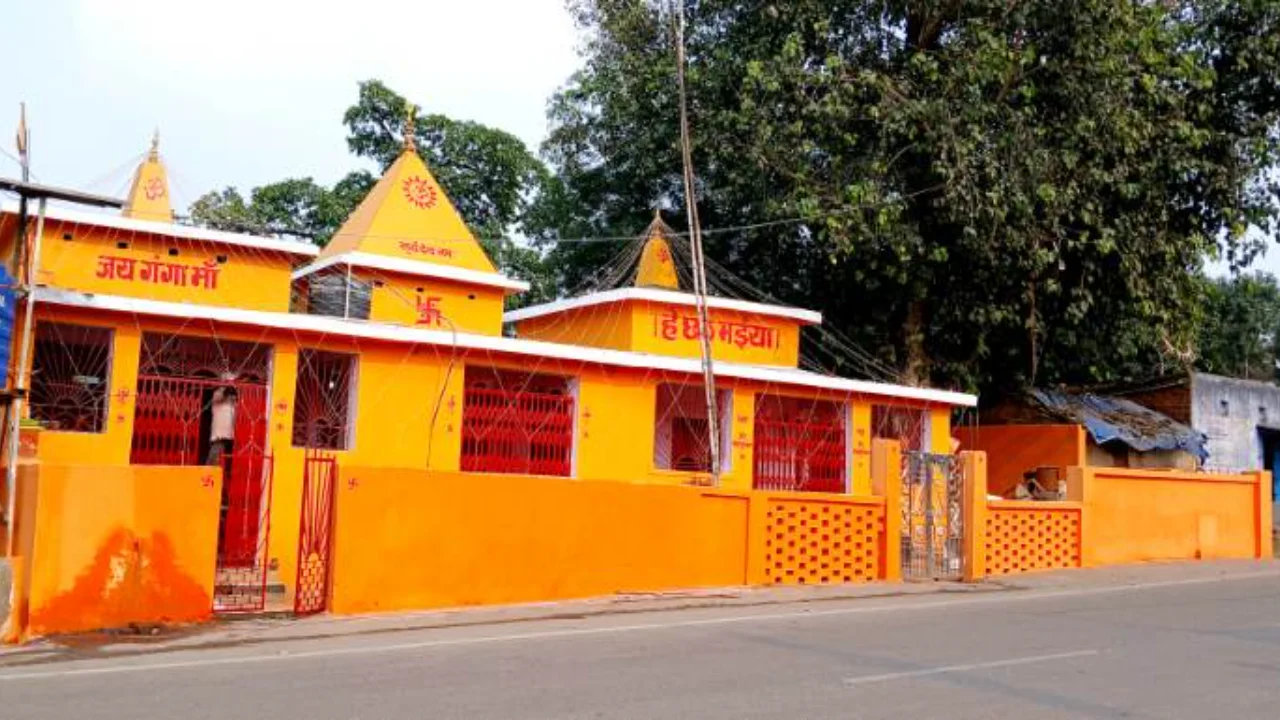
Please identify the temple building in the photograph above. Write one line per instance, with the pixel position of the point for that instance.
(390, 347)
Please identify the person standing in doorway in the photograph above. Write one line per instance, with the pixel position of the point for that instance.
(222, 424)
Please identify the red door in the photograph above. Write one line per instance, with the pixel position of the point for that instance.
(171, 428)
(245, 481)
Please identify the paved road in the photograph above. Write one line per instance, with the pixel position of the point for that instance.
(1189, 648)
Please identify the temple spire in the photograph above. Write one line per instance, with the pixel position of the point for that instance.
(657, 267)
(408, 216)
(149, 195)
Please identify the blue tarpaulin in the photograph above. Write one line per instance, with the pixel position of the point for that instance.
(1111, 419)
(7, 307)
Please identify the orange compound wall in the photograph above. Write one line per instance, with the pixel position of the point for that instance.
(1141, 515)
(1025, 536)
(1015, 449)
(818, 539)
(1115, 516)
(409, 539)
(102, 547)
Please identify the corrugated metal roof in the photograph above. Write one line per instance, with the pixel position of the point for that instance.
(1112, 419)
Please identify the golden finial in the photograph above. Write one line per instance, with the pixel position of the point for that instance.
(657, 268)
(155, 145)
(410, 131)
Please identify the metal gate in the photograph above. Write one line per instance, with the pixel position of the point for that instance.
(240, 582)
(932, 517)
(315, 534)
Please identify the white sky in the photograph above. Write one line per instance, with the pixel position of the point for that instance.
(246, 92)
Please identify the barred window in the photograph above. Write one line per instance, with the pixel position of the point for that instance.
(514, 422)
(322, 401)
(680, 433)
(909, 426)
(800, 445)
(69, 377)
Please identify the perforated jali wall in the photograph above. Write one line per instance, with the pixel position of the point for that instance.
(816, 542)
(1026, 536)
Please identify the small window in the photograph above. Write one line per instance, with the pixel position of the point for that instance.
(322, 400)
(680, 433)
(909, 426)
(517, 422)
(330, 294)
(800, 445)
(69, 377)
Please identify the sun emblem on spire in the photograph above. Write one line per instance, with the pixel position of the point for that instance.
(419, 192)
(154, 189)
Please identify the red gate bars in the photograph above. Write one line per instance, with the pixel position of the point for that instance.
(315, 534)
(508, 431)
(804, 450)
(240, 583)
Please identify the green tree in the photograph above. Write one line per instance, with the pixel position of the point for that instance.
(1240, 331)
(297, 207)
(982, 193)
(488, 174)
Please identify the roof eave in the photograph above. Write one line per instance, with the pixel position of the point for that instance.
(496, 343)
(173, 230)
(555, 307)
(410, 267)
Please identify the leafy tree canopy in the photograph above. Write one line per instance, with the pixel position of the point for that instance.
(1240, 335)
(984, 193)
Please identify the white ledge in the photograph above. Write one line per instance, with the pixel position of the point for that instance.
(331, 326)
(672, 297)
(173, 230)
(413, 267)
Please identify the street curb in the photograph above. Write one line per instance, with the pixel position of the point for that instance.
(179, 638)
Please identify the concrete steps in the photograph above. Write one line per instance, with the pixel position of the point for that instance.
(237, 591)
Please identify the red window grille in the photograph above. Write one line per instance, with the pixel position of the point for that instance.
(517, 423)
(69, 377)
(322, 400)
(177, 379)
(799, 445)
